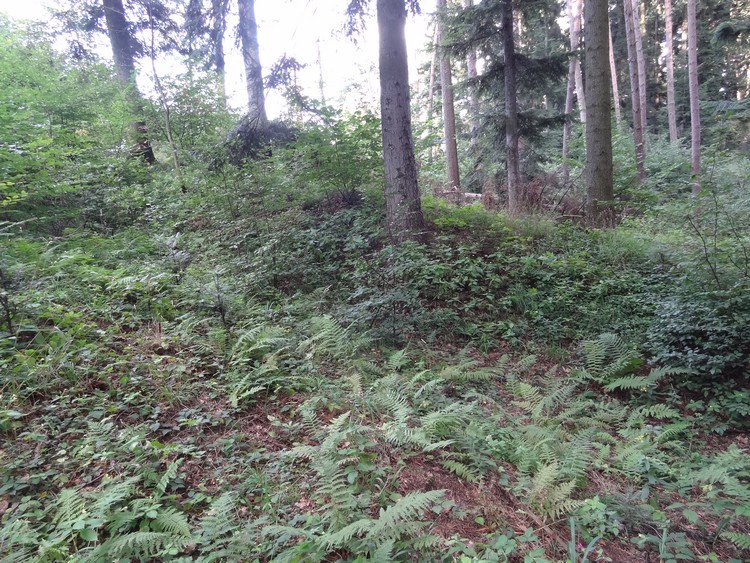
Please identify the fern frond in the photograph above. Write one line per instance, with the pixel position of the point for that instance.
(659, 411)
(406, 509)
(462, 470)
(18, 540)
(544, 480)
(608, 356)
(253, 344)
(383, 553)
(397, 361)
(631, 382)
(169, 475)
(345, 534)
(171, 521)
(70, 506)
(742, 541)
(671, 431)
(112, 495)
(138, 545)
(438, 445)
(424, 542)
(328, 338)
(217, 526)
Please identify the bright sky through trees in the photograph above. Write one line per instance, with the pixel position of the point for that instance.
(296, 28)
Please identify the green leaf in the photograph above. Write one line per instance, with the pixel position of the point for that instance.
(88, 534)
(691, 515)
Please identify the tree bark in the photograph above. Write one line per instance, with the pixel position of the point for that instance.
(569, 93)
(449, 112)
(669, 59)
(248, 32)
(217, 42)
(575, 12)
(122, 43)
(615, 85)
(599, 179)
(403, 206)
(471, 73)
(695, 114)
(635, 94)
(431, 92)
(515, 197)
(641, 62)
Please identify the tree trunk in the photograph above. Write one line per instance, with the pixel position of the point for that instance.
(615, 85)
(121, 41)
(599, 180)
(248, 32)
(219, 9)
(695, 114)
(515, 197)
(669, 47)
(635, 94)
(431, 91)
(449, 113)
(570, 92)
(575, 8)
(403, 206)
(641, 61)
(471, 73)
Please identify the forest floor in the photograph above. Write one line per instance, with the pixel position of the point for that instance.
(258, 381)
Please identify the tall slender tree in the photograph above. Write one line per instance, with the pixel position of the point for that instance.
(122, 42)
(431, 88)
(640, 58)
(575, 80)
(248, 32)
(575, 13)
(599, 180)
(512, 160)
(471, 74)
(669, 61)
(695, 112)
(449, 112)
(403, 206)
(615, 85)
(635, 93)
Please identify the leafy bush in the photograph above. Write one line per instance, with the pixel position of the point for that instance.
(707, 332)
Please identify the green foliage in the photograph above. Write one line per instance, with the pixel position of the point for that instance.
(72, 110)
(233, 364)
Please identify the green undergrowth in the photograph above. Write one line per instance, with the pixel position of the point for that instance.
(253, 374)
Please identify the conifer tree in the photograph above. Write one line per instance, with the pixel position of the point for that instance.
(599, 181)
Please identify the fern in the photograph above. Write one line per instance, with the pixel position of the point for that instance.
(742, 541)
(171, 521)
(253, 344)
(169, 475)
(659, 411)
(138, 545)
(218, 534)
(397, 361)
(644, 383)
(383, 553)
(329, 339)
(18, 540)
(113, 494)
(462, 470)
(608, 357)
(390, 521)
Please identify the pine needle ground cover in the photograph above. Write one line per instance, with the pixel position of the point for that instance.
(246, 376)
